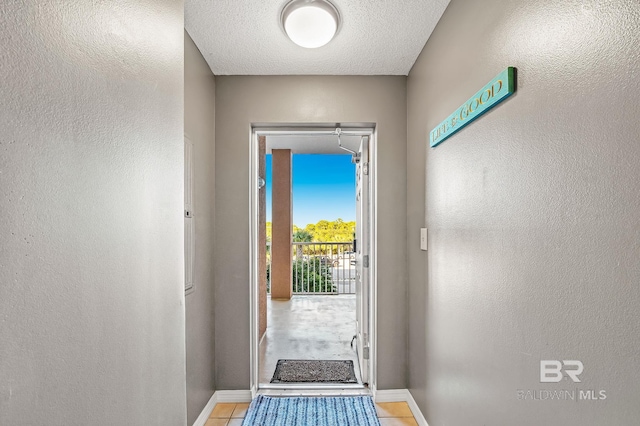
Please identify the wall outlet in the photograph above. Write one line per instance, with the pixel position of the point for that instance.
(423, 239)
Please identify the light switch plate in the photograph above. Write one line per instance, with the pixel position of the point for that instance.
(423, 239)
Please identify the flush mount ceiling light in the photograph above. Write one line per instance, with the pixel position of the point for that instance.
(310, 23)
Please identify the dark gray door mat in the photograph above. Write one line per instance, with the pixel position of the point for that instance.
(317, 371)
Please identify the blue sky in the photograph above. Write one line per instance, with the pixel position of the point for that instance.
(324, 187)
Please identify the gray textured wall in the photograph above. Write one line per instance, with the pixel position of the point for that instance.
(241, 101)
(91, 195)
(199, 126)
(532, 212)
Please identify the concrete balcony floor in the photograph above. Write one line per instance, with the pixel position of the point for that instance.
(308, 327)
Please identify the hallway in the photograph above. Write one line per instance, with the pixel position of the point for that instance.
(511, 246)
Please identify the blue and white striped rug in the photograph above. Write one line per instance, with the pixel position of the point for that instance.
(312, 411)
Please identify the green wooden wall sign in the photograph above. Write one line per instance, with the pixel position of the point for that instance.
(490, 95)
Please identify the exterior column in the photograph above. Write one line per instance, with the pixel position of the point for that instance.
(282, 225)
(262, 239)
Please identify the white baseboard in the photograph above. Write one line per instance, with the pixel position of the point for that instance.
(391, 395)
(206, 411)
(402, 395)
(219, 397)
(233, 395)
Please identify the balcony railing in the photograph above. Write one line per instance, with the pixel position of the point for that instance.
(320, 268)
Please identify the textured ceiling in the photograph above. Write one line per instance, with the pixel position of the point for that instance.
(376, 37)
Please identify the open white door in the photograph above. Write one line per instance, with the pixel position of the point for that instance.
(362, 259)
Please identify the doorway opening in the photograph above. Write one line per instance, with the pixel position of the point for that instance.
(312, 278)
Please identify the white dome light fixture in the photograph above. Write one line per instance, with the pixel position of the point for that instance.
(310, 23)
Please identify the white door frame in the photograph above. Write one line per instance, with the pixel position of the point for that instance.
(265, 130)
(362, 253)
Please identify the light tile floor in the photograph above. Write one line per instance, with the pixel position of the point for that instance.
(227, 414)
(389, 413)
(395, 414)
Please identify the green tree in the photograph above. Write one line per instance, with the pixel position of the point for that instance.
(269, 228)
(336, 231)
(301, 236)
